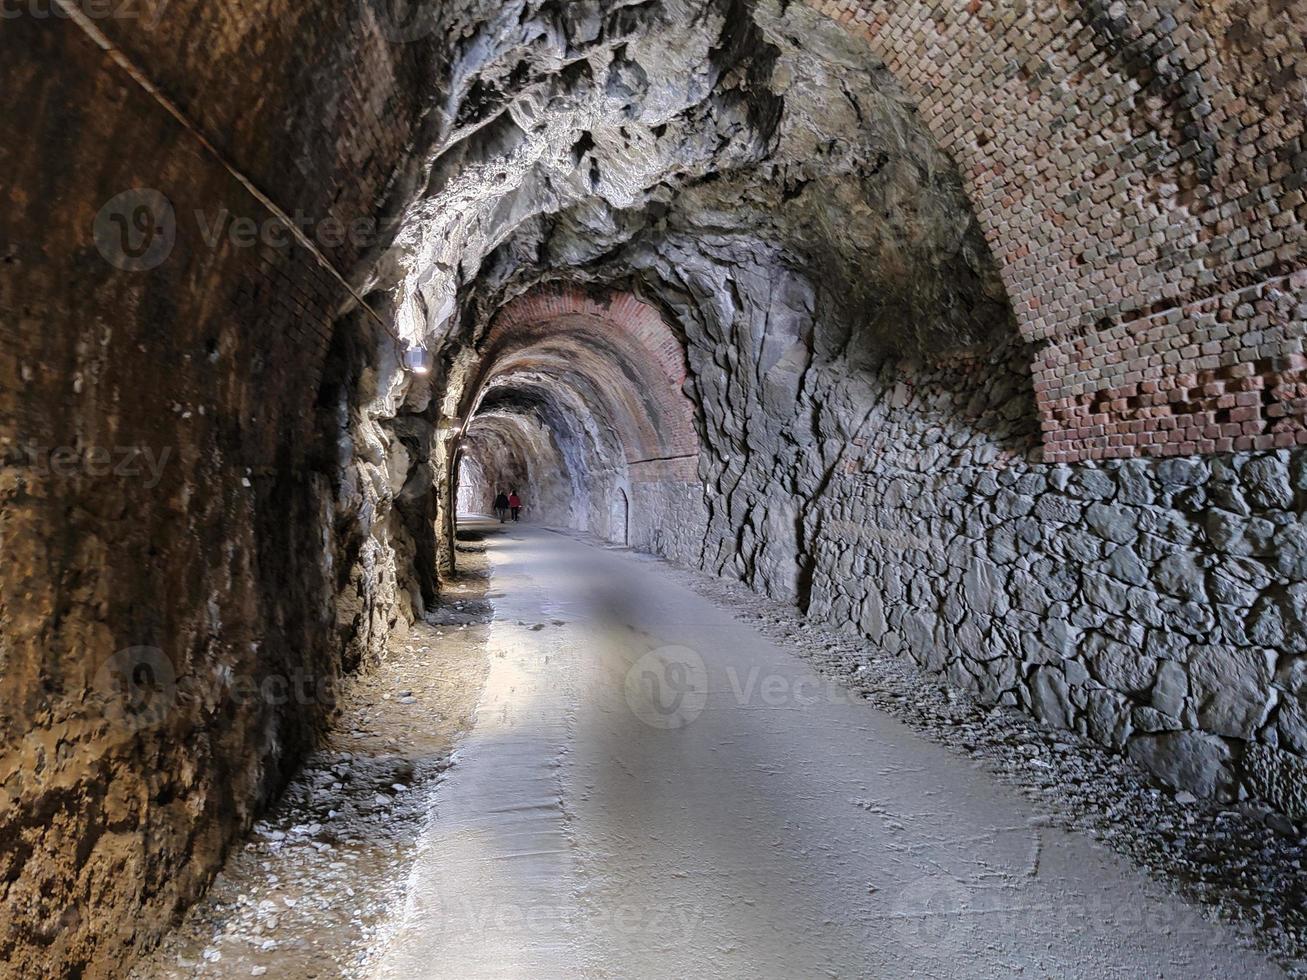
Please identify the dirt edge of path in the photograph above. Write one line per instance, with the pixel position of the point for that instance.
(311, 893)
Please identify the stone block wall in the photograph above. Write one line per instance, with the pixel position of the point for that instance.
(1153, 605)
(669, 519)
(1139, 172)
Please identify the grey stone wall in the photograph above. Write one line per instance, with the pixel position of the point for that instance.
(1155, 606)
(669, 519)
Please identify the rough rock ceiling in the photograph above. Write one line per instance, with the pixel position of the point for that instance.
(604, 141)
(743, 166)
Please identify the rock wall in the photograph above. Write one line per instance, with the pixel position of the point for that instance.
(382, 443)
(519, 452)
(1155, 606)
(668, 519)
(475, 492)
(177, 397)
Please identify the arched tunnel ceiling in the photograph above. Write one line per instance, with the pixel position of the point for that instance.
(557, 457)
(727, 159)
(586, 370)
(602, 374)
(566, 408)
(695, 146)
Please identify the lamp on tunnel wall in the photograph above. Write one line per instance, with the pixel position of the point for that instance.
(418, 359)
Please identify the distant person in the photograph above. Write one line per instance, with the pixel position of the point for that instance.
(501, 506)
(514, 504)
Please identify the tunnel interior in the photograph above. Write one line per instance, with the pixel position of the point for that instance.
(571, 407)
(778, 291)
(778, 206)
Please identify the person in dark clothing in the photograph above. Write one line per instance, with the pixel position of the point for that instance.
(501, 506)
(514, 504)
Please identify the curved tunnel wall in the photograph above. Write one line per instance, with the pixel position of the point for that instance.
(171, 412)
(579, 404)
(1149, 604)
(1103, 146)
(520, 452)
(1153, 261)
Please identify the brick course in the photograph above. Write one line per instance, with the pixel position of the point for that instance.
(1139, 173)
(662, 443)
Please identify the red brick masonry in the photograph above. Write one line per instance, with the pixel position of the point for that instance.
(1139, 173)
(667, 447)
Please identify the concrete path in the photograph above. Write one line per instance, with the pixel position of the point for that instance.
(654, 790)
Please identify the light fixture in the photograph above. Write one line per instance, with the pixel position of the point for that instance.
(418, 359)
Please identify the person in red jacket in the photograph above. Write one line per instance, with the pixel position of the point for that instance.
(514, 503)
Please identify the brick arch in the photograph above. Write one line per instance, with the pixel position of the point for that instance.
(1139, 172)
(630, 364)
(596, 392)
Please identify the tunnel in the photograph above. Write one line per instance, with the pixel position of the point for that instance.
(905, 404)
(577, 397)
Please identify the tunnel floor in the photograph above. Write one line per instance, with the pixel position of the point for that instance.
(652, 788)
(657, 774)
